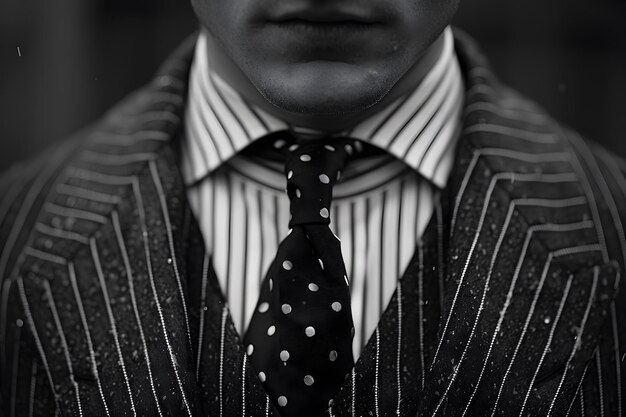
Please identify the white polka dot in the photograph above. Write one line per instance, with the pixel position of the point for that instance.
(336, 306)
(321, 263)
(298, 193)
(293, 147)
(324, 213)
(286, 308)
(289, 175)
(305, 158)
(313, 287)
(324, 179)
(308, 380)
(329, 148)
(279, 143)
(282, 401)
(287, 265)
(271, 284)
(263, 307)
(284, 355)
(271, 330)
(309, 331)
(262, 376)
(333, 355)
(250, 350)
(348, 149)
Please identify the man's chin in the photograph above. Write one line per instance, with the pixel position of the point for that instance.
(324, 89)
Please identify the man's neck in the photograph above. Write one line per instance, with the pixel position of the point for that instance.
(226, 69)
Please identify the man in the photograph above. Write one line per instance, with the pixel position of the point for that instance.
(153, 265)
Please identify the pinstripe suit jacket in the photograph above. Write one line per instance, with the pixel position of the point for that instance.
(511, 306)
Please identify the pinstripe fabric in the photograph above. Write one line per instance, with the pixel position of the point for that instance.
(511, 304)
(380, 207)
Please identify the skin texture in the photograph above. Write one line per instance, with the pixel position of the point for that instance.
(324, 64)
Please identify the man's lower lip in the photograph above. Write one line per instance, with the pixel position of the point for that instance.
(324, 30)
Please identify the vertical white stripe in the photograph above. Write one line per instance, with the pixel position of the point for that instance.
(376, 388)
(353, 397)
(205, 209)
(221, 225)
(420, 312)
(203, 307)
(66, 350)
(270, 232)
(343, 227)
(358, 277)
(236, 252)
(283, 216)
(373, 262)
(440, 261)
(399, 349)
(600, 383)
(618, 364)
(243, 385)
(33, 388)
(222, 345)
(389, 240)
(408, 223)
(253, 253)
(425, 207)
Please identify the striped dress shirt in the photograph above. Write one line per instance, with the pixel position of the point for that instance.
(381, 205)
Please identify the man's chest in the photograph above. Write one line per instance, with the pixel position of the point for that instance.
(380, 218)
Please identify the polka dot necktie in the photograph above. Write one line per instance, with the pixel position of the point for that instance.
(300, 337)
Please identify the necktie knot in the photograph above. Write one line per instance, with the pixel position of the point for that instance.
(312, 169)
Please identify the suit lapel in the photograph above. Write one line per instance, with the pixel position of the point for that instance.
(529, 279)
(109, 260)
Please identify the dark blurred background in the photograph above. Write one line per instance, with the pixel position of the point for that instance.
(78, 57)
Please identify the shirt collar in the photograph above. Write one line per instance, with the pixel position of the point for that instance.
(420, 128)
